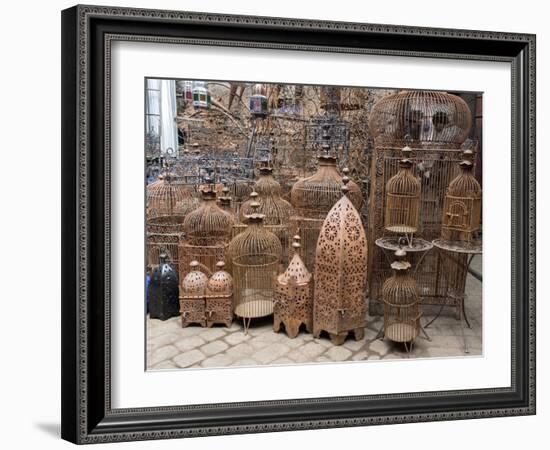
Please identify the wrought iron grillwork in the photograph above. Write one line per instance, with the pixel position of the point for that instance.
(294, 296)
(433, 125)
(207, 232)
(255, 257)
(402, 309)
(339, 304)
(331, 128)
(462, 205)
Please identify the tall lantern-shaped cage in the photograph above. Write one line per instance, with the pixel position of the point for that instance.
(192, 296)
(402, 309)
(168, 203)
(434, 125)
(206, 234)
(294, 296)
(255, 257)
(276, 210)
(312, 199)
(219, 297)
(258, 101)
(462, 207)
(201, 95)
(402, 211)
(339, 302)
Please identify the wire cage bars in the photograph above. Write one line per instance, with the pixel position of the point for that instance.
(255, 257)
(433, 125)
(339, 302)
(294, 296)
(402, 308)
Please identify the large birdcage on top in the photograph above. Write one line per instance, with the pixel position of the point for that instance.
(434, 126)
(168, 203)
(255, 256)
(207, 232)
(312, 199)
(276, 210)
(339, 301)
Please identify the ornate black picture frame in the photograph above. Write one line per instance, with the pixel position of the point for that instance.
(87, 35)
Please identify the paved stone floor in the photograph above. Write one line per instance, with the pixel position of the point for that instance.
(169, 346)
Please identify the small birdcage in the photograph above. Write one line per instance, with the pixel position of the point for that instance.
(201, 95)
(294, 296)
(462, 205)
(207, 232)
(402, 215)
(192, 296)
(168, 203)
(219, 297)
(339, 302)
(258, 101)
(312, 199)
(276, 210)
(162, 295)
(255, 257)
(402, 309)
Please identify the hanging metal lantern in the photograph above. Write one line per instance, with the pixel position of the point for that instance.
(255, 257)
(162, 292)
(402, 214)
(192, 296)
(402, 309)
(462, 205)
(339, 303)
(188, 91)
(258, 101)
(219, 297)
(207, 232)
(294, 296)
(201, 95)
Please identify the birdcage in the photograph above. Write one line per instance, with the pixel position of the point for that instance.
(339, 302)
(276, 210)
(201, 95)
(168, 203)
(402, 309)
(219, 297)
(402, 214)
(255, 257)
(163, 290)
(312, 199)
(258, 101)
(294, 296)
(192, 296)
(434, 125)
(207, 232)
(462, 205)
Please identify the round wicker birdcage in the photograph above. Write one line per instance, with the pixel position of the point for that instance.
(293, 296)
(207, 232)
(420, 116)
(339, 304)
(462, 205)
(255, 257)
(402, 213)
(166, 197)
(402, 308)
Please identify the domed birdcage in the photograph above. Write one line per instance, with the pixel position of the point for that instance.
(434, 126)
(219, 297)
(462, 206)
(276, 210)
(255, 257)
(402, 309)
(339, 302)
(294, 296)
(312, 199)
(402, 214)
(168, 203)
(192, 296)
(207, 232)
(163, 291)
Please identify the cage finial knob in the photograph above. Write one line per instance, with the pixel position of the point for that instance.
(296, 243)
(220, 265)
(194, 264)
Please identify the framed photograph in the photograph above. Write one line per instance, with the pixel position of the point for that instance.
(282, 224)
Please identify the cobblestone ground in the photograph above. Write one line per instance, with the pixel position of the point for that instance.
(169, 346)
